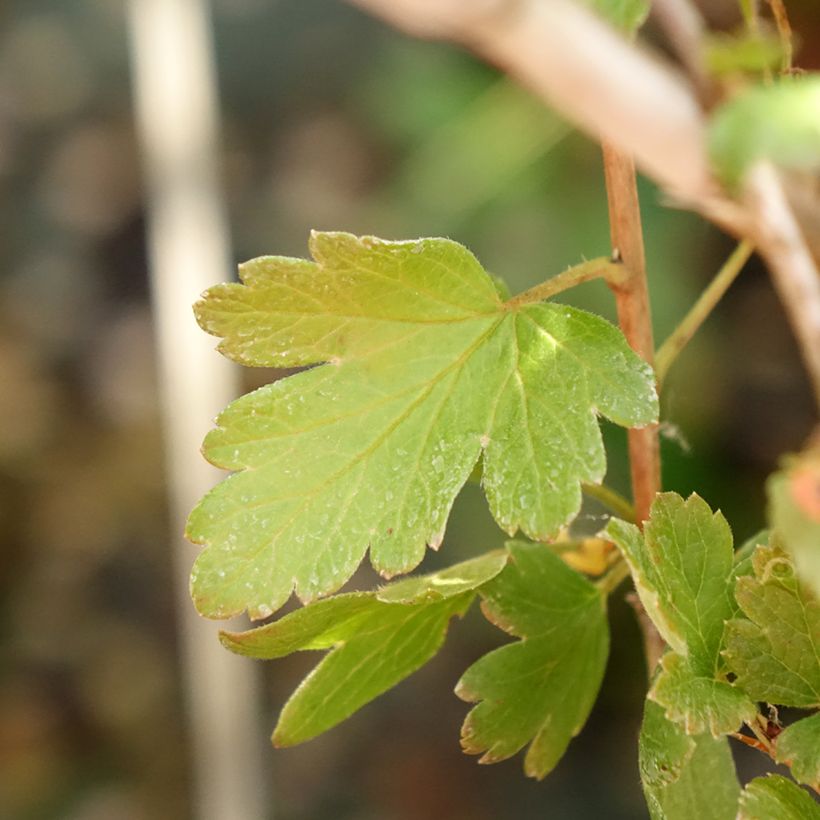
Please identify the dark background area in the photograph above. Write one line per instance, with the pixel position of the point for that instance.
(330, 121)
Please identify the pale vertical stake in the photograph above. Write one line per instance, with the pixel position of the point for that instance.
(177, 118)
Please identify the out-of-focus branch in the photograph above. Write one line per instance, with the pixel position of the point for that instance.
(684, 27)
(585, 70)
(177, 120)
(794, 271)
(602, 83)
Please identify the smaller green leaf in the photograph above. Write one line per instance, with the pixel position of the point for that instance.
(780, 123)
(375, 645)
(700, 703)
(775, 798)
(776, 653)
(683, 566)
(794, 510)
(798, 746)
(320, 625)
(540, 689)
(685, 777)
(628, 15)
(447, 583)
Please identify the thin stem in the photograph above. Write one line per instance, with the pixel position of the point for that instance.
(700, 311)
(634, 317)
(632, 301)
(611, 499)
(600, 268)
(613, 577)
(784, 29)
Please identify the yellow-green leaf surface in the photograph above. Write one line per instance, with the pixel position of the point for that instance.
(775, 798)
(539, 690)
(425, 369)
(699, 703)
(776, 652)
(375, 642)
(684, 570)
(685, 777)
(683, 566)
(794, 510)
(798, 746)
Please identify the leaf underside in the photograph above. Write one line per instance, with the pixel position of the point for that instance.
(540, 689)
(376, 639)
(425, 371)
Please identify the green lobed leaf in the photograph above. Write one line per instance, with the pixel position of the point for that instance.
(377, 639)
(798, 746)
(794, 511)
(775, 654)
(775, 798)
(683, 566)
(685, 777)
(699, 703)
(627, 15)
(780, 123)
(684, 570)
(539, 690)
(426, 371)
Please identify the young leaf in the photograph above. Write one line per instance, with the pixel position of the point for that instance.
(685, 777)
(683, 565)
(426, 369)
(794, 510)
(699, 702)
(776, 653)
(540, 689)
(684, 570)
(798, 746)
(377, 639)
(780, 123)
(775, 798)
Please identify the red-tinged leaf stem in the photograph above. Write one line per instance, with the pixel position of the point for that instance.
(635, 319)
(634, 315)
(700, 311)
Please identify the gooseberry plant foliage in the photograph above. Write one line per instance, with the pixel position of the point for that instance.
(416, 372)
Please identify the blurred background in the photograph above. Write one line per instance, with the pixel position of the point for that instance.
(328, 121)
